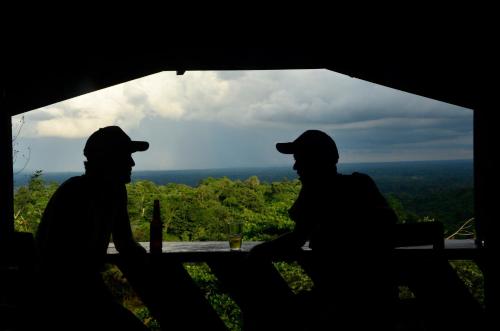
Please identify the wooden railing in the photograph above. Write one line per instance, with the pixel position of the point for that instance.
(16, 264)
(223, 262)
(455, 249)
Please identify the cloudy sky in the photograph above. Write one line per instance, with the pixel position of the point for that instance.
(234, 118)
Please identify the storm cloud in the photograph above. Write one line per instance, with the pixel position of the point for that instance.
(234, 118)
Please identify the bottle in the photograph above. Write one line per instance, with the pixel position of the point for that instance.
(155, 230)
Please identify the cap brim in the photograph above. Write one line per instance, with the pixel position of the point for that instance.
(139, 146)
(285, 148)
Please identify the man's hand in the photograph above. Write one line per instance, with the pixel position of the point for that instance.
(264, 249)
(289, 243)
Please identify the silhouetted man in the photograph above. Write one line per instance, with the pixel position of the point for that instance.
(347, 222)
(74, 234)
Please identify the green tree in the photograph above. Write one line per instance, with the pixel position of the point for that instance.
(30, 202)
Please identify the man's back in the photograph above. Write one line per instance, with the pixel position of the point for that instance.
(345, 212)
(77, 224)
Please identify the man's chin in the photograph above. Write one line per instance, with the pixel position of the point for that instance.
(125, 179)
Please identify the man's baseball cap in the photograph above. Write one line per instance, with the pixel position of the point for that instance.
(112, 139)
(315, 143)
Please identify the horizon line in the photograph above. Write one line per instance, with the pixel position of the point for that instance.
(251, 167)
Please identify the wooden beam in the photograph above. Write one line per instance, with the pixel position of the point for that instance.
(486, 186)
(6, 172)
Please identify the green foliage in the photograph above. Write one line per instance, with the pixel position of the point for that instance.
(30, 202)
(450, 206)
(200, 213)
(123, 292)
(295, 276)
(144, 315)
(225, 307)
(472, 277)
(403, 215)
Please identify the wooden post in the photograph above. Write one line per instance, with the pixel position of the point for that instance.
(486, 186)
(6, 172)
(481, 148)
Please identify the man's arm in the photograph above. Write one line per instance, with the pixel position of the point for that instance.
(122, 232)
(295, 239)
(288, 242)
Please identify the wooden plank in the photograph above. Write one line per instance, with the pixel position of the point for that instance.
(193, 246)
(223, 246)
(455, 249)
(486, 184)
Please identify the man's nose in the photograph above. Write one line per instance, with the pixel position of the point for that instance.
(295, 166)
(131, 162)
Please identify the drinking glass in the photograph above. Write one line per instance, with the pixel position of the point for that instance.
(235, 235)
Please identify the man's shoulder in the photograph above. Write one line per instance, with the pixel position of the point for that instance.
(360, 175)
(360, 178)
(360, 181)
(76, 180)
(67, 196)
(76, 183)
